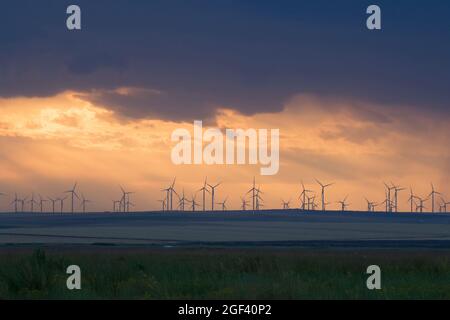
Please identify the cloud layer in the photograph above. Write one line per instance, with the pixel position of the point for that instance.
(46, 143)
(245, 56)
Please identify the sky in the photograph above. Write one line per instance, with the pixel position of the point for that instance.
(98, 105)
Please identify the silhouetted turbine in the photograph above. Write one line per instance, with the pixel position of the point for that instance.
(204, 190)
(73, 194)
(213, 191)
(433, 192)
(323, 186)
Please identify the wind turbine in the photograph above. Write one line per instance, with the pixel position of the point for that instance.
(323, 192)
(22, 203)
(213, 190)
(182, 201)
(61, 203)
(303, 196)
(83, 202)
(223, 204)
(385, 202)
(2, 194)
(343, 203)
(32, 202)
(375, 205)
(41, 203)
(116, 205)
(169, 195)
(311, 202)
(53, 203)
(396, 190)
(163, 204)
(129, 203)
(194, 203)
(172, 191)
(125, 200)
(204, 190)
(73, 194)
(420, 206)
(285, 204)
(371, 205)
(411, 198)
(15, 202)
(253, 191)
(389, 201)
(443, 207)
(258, 198)
(244, 203)
(433, 192)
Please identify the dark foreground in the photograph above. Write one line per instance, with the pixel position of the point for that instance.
(279, 228)
(143, 273)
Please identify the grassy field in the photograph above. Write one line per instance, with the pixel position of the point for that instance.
(224, 274)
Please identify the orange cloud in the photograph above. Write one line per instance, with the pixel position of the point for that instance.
(47, 143)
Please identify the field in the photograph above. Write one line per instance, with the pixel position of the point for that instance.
(233, 229)
(143, 273)
(231, 255)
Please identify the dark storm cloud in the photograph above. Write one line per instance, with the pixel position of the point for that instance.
(147, 103)
(248, 55)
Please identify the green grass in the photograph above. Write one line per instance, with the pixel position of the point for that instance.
(224, 274)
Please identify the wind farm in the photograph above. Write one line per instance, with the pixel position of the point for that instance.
(380, 222)
(174, 200)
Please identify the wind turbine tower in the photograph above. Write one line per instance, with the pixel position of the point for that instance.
(303, 196)
(204, 189)
(73, 194)
(41, 203)
(432, 194)
(253, 190)
(323, 186)
(83, 202)
(213, 191)
(397, 189)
